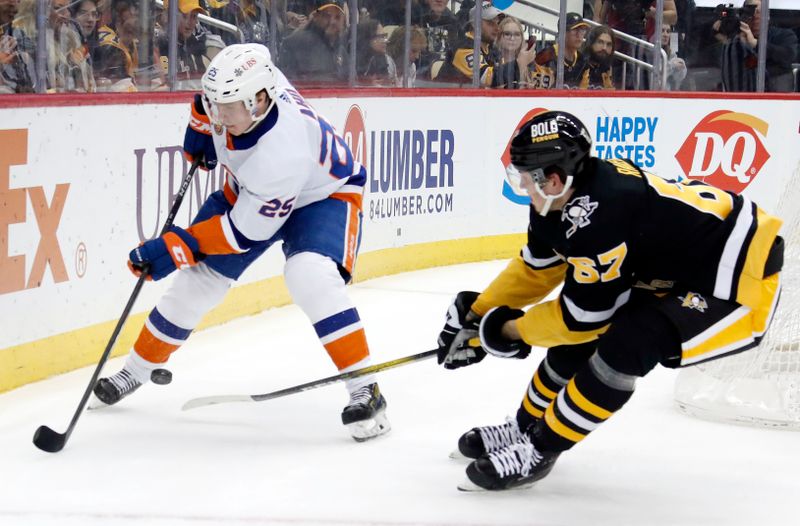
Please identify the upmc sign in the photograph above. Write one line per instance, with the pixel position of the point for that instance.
(725, 149)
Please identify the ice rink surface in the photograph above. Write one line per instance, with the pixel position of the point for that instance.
(290, 461)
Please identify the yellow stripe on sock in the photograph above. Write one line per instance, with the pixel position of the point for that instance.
(582, 402)
(530, 408)
(537, 382)
(553, 423)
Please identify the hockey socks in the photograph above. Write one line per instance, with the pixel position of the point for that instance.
(588, 400)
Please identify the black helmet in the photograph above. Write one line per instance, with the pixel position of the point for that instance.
(553, 139)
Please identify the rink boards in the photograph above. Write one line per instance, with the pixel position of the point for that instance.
(82, 184)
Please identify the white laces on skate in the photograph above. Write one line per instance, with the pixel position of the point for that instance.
(517, 459)
(361, 395)
(500, 436)
(124, 382)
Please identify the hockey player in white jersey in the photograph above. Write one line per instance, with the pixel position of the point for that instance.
(289, 177)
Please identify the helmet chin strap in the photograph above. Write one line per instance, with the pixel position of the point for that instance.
(549, 199)
(257, 119)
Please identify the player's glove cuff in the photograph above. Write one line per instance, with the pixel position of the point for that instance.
(199, 121)
(492, 339)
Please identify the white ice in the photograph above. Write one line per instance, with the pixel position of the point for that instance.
(290, 462)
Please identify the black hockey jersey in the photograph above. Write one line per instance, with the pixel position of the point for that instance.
(624, 228)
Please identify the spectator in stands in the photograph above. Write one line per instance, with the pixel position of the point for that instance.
(517, 68)
(252, 17)
(296, 17)
(86, 15)
(116, 57)
(458, 66)
(635, 18)
(396, 46)
(596, 54)
(373, 65)
(67, 68)
(510, 40)
(196, 45)
(573, 40)
(17, 72)
(442, 29)
(740, 54)
(317, 52)
(676, 67)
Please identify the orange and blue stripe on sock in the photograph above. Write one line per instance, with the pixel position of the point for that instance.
(343, 337)
(159, 338)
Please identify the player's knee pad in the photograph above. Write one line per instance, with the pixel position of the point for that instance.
(315, 285)
(566, 360)
(193, 292)
(638, 339)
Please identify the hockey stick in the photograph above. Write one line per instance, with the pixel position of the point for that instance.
(51, 441)
(223, 399)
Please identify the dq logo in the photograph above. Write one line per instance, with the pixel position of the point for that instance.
(355, 134)
(511, 188)
(13, 209)
(726, 149)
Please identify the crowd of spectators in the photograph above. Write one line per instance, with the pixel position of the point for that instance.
(94, 45)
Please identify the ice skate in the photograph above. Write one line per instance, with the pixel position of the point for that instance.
(111, 390)
(517, 466)
(487, 439)
(365, 415)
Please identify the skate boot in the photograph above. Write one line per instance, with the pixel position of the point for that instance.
(487, 439)
(516, 466)
(114, 388)
(365, 415)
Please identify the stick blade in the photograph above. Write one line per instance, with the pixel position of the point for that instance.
(213, 400)
(48, 440)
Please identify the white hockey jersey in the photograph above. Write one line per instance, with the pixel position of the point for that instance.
(291, 159)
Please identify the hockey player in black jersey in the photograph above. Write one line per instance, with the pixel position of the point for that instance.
(653, 271)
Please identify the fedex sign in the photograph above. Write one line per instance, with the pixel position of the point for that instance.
(13, 209)
(725, 149)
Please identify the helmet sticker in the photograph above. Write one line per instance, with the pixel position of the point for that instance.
(544, 131)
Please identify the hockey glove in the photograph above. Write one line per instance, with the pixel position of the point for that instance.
(159, 257)
(492, 338)
(198, 141)
(458, 342)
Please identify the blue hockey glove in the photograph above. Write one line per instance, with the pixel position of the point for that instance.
(458, 342)
(198, 141)
(492, 338)
(177, 249)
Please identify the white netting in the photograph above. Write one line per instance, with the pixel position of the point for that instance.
(761, 386)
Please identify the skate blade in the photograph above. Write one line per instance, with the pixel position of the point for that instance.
(95, 403)
(456, 454)
(468, 486)
(364, 430)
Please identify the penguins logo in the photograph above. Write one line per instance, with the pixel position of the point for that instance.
(693, 301)
(577, 212)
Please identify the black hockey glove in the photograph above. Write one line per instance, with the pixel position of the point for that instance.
(492, 338)
(458, 342)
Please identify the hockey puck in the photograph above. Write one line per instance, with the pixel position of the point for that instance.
(161, 376)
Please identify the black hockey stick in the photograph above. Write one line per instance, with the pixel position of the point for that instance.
(51, 441)
(222, 399)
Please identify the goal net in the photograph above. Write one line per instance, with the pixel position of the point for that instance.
(762, 386)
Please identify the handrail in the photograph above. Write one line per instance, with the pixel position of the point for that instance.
(619, 34)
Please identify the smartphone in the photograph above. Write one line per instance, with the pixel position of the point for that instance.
(531, 41)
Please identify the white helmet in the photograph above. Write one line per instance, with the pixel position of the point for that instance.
(238, 73)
